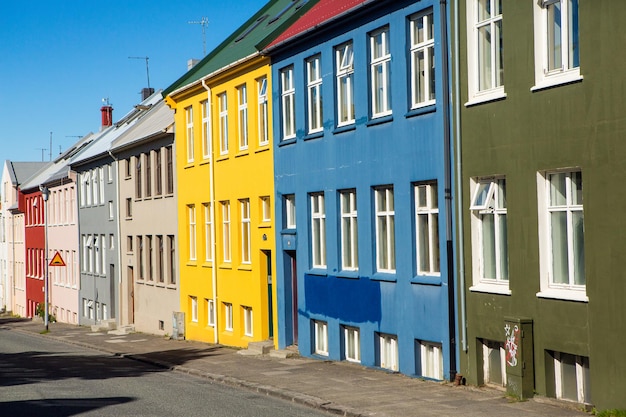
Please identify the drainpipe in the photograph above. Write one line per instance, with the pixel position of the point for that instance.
(443, 17)
(212, 211)
(459, 179)
(119, 239)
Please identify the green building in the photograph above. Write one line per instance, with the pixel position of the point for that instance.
(543, 156)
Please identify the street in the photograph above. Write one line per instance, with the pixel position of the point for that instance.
(43, 377)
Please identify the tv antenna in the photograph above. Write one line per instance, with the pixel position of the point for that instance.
(204, 22)
(147, 66)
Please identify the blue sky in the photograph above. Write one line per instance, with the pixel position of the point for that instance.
(59, 59)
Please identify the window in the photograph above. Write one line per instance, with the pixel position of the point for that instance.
(247, 321)
(158, 178)
(129, 244)
(206, 138)
(320, 329)
(557, 50)
(562, 251)
(349, 234)
(242, 96)
(388, 352)
(226, 231)
(380, 73)
(140, 260)
(129, 208)
(111, 210)
(191, 222)
(171, 246)
(489, 233)
(96, 258)
(228, 317)
(318, 231)
(245, 230)
(148, 158)
(427, 229)
(571, 377)
(170, 169)
(189, 132)
(210, 313)
(344, 56)
(266, 210)
(494, 365)
(262, 112)
(128, 172)
(288, 108)
(223, 128)
(314, 94)
(385, 233)
(485, 50)
(149, 257)
(431, 360)
(208, 233)
(422, 30)
(138, 177)
(194, 309)
(290, 211)
(352, 348)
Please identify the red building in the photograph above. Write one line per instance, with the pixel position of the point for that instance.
(32, 205)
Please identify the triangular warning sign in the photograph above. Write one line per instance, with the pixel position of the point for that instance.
(57, 260)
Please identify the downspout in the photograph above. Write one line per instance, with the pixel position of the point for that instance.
(212, 211)
(443, 18)
(459, 179)
(119, 239)
(13, 260)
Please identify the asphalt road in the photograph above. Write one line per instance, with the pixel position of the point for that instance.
(42, 377)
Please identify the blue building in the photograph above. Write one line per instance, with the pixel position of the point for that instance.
(362, 165)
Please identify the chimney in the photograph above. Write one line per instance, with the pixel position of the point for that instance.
(146, 92)
(107, 116)
(192, 63)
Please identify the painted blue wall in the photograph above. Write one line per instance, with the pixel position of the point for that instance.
(401, 151)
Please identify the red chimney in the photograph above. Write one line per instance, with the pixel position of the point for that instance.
(107, 115)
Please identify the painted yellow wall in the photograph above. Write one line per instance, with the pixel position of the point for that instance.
(241, 174)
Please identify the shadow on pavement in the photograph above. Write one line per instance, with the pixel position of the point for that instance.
(59, 407)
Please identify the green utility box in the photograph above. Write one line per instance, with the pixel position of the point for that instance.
(518, 349)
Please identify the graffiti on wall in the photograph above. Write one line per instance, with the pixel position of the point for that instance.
(511, 344)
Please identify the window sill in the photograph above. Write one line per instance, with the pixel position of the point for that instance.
(205, 161)
(486, 97)
(244, 267)
(348, 274)
(225, 266)
(314, 135)
(286, 142)
(262, 148)
(563, 294)
(426, 279)
(318, 272)
(418, 111)
(207, 264)
(191, 263)
(189, 165)
(379, 120)
(221, 158)
(288, 232)
(384, 276)
(557, 80)
(264, 225)
(501, 289)
(344, 128)
(243, 152)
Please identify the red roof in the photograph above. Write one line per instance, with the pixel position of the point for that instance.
(322, 12)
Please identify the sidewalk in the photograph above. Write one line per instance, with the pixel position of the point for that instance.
(340, 388)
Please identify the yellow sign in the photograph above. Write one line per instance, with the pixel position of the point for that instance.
(57, 260)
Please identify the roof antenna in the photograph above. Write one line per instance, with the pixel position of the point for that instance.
(204, 22)
(147, 67)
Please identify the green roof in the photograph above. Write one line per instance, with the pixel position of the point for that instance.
(265, 25)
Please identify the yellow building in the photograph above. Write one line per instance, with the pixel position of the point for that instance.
(225, 182)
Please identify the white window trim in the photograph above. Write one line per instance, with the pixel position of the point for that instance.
(386, 214)
(191, 218)
(431, 210)
(547, 289)
(423, 47)
(194, 309)
(318, 241)
(480, 283)
(223, 125)
(355, 334)
(228, 317)
(206, 135)
(245, 231)
(208, 233)
(189, 133)
(543, 77)
(488, 346)
(242, 97)
(383, 61)
(580, 385)
(314, 94)
(226, 232)
(262, 116)
(432, 351)
(210, 313)
(288, 105)
(320, 344)
(476, 96)
(349, 261)
(290, 211)
(344, 56)
(248, 321)
(266, 209)
(388, 350)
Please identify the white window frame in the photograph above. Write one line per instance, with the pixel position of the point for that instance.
(489, 201)
(352, 344)
(380, 63)
(569, 71)
(242, 116)
(222, 100)
(194, 309)
(262, 115)
(208, 233)
(290, 211)
(572, 208)
(431, 360)
(385, 239)
(320, 340)
(189, 133)
(226, 237)
(314, 94)
(191, 223)
(266, 209)
(422, 51)
(206, 135)
(318, 231)
(388, 352)
(228, 317)
(484, 17)
(244, 204)
(582, 369)
(427, 229)
(248, 321)
(489, 347)
(344, 57)
(288, 105)
(210, 313)
(349, 230)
